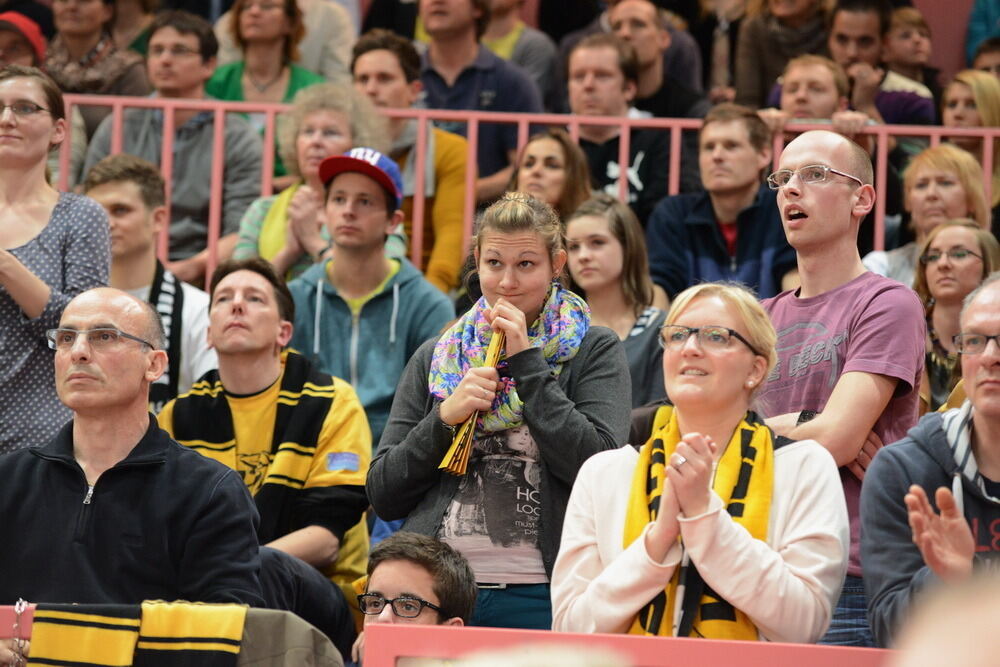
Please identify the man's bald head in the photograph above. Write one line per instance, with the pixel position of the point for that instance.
(150, 327)
(845, 155)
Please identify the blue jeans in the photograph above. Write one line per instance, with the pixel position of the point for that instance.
(523, 606)
(849, 626)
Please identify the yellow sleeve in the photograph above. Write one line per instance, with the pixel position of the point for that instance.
(344, 448)
(165, 418)
(448, 210)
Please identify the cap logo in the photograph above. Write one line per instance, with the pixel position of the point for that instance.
(369, 155)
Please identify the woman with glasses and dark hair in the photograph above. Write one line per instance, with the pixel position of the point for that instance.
(955, 258)
(52, 247)
(941, 183)
(714, 527)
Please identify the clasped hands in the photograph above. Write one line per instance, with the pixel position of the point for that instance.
(687, 489)
(478, 387)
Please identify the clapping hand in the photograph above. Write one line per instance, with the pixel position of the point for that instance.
(945, 540)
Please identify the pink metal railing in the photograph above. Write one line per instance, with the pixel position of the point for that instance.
(675, 126)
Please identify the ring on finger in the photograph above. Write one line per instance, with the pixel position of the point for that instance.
(679, 461)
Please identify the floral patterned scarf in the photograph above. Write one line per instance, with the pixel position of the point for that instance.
(561, 325)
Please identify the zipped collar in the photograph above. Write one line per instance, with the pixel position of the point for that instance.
(152, 448)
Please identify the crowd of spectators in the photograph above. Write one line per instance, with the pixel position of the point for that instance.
(719, 413)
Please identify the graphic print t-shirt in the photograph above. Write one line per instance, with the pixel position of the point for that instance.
(493, 518)
(870, 324)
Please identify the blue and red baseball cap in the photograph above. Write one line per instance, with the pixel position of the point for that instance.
(380, 168)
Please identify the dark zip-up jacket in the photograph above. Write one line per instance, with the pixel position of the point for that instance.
(686, 246)
(163, 523)
(895, 572)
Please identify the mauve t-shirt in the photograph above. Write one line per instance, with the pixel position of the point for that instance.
(871, 324)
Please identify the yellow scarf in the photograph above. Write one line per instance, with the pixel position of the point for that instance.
(272, 230)
(744, 479)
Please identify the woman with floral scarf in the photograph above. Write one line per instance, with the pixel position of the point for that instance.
(559, 394)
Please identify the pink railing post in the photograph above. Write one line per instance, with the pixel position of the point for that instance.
(267, 154)
(66, 149)
(117, 113)
(167, 169)
(674, 175)
(418, 158)
(881, 179)
(522, 135)
(988, 158)
(624, 141)
(471, 171)
(215, 200)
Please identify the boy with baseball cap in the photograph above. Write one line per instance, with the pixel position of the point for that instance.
(361, 314)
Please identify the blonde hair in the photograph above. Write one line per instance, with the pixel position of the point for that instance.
(986, 92)
(989, 248)
(368, 127)
(948, 157)
(760, 331)
(517, 212)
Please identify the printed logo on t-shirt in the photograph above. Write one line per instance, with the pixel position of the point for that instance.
(806, 348)
(634, 181)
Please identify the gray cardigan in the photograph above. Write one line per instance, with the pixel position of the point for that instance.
(584, 411)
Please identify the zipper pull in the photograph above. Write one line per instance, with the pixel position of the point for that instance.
(90, 494)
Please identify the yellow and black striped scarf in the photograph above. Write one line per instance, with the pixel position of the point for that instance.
(157, 634)
(744, 479)
(203, 421)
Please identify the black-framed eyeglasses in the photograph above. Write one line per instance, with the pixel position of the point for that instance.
(674, 336)
(811, 173)
(973, 343)
(22, 109)
(405, 606)
(955, 254)
(100, 338)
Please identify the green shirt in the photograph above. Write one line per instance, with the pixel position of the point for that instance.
(227, 84)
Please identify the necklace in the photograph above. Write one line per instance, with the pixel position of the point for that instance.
(262, 87)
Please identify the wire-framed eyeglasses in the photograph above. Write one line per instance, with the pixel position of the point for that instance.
(22, 108)
(674, 336)
(955, 254)
(405, 606)
(100, 338)
(811, 173)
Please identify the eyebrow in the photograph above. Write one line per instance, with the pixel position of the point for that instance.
(99, 325)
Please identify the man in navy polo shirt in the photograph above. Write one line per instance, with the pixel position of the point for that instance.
(459, 73)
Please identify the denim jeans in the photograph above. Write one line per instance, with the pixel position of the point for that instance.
(849, 626)
(523, 606)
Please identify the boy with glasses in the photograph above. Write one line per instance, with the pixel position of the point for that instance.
(414, 578)
(911, 543)
(850, 343)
